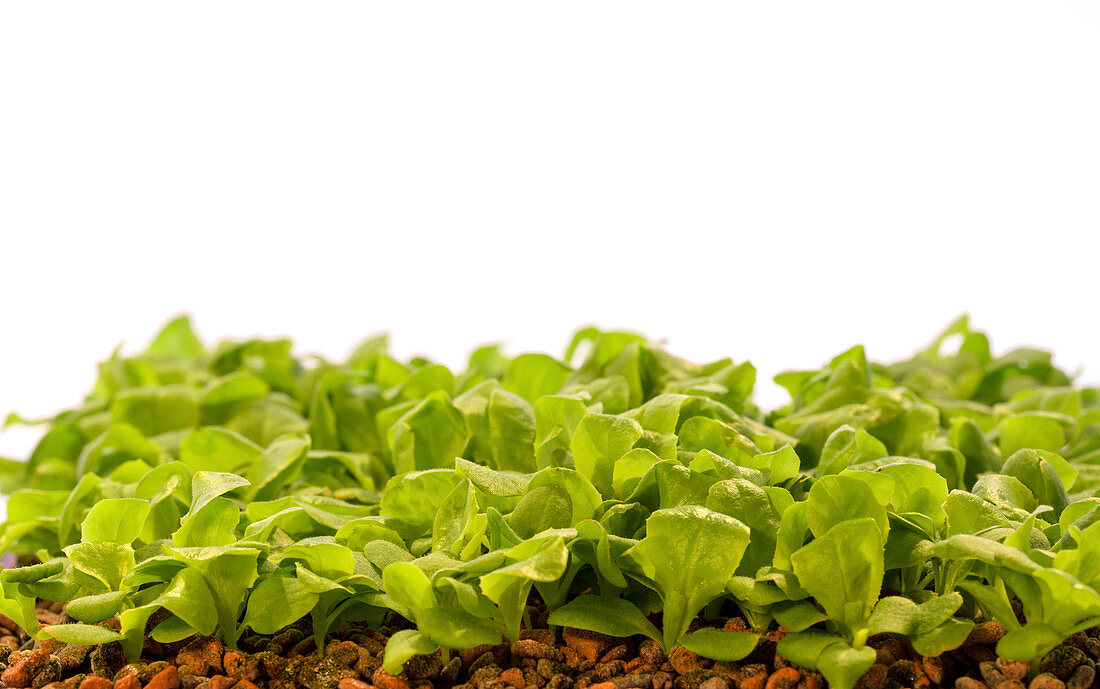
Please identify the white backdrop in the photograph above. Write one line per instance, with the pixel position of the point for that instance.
(772, 181)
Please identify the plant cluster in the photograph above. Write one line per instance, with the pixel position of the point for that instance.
(205, 491)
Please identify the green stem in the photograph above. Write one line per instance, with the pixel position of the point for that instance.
(320, 628)
(227, 623)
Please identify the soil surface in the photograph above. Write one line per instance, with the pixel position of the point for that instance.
(541, 659)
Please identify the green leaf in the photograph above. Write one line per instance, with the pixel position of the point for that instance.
(235, 388)
(157, 409)
(81, 634)
(497, 484)
(189, 598)
(835, 499)
(946, 637)
(458, 629)
(1030, 430)
(555, 497)
(176, 340)
(428, 436)
(276, 602)
(511, 432)
(720, 645)
(414, 499)
(902, 616)
(277, 466)
(539, 559)
(96, 608)
(212, 525)
(600, 440)
(402, 646)
(612, 616)
(218, 449)
(407, 585)
(1031, 641)
(104, 565)
(533, 375)
(1037, 471)
(847, 446)
(749, 504)
(207, 485)
(798, 615)
(843, 569)
(32, 573)
(779, 466)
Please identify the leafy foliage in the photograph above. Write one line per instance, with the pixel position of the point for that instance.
(241, 487)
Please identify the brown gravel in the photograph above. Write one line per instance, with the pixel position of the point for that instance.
(541, 659)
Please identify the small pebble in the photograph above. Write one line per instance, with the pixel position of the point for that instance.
(513, 677)
(1046, 681)
(875, 678)
(529, 648)
(559, 682)
(933, 668)
(650, 651)
(168, 678)
(787, 678)
(1013, 669)
(1082, 677)
(591, 645)
(990, 673)
(684, 661)
(639, 680)
(543, 636)
(1091, 646)
(384, 680)
(1062, 661)
(128, 682)
(908, 674)
(753, 676)
(985, 634)
(23, 670)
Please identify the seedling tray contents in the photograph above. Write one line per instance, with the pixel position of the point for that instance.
(617, 518)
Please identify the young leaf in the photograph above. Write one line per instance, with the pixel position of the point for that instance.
(612, 616)
(118, 520)
(402, 646)
(717, 644)
(276, 602)
(843, 569)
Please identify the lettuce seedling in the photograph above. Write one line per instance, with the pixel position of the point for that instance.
(414, 596)
(687, 557)
(226, 575)
(841, 568)
(1056, 604)
(319, 577)
(539, 559)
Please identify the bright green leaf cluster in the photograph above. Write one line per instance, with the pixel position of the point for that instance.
(242, 487)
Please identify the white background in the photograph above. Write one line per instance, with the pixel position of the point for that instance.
(772, 181)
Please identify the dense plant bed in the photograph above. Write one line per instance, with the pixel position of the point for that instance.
(924, 522)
